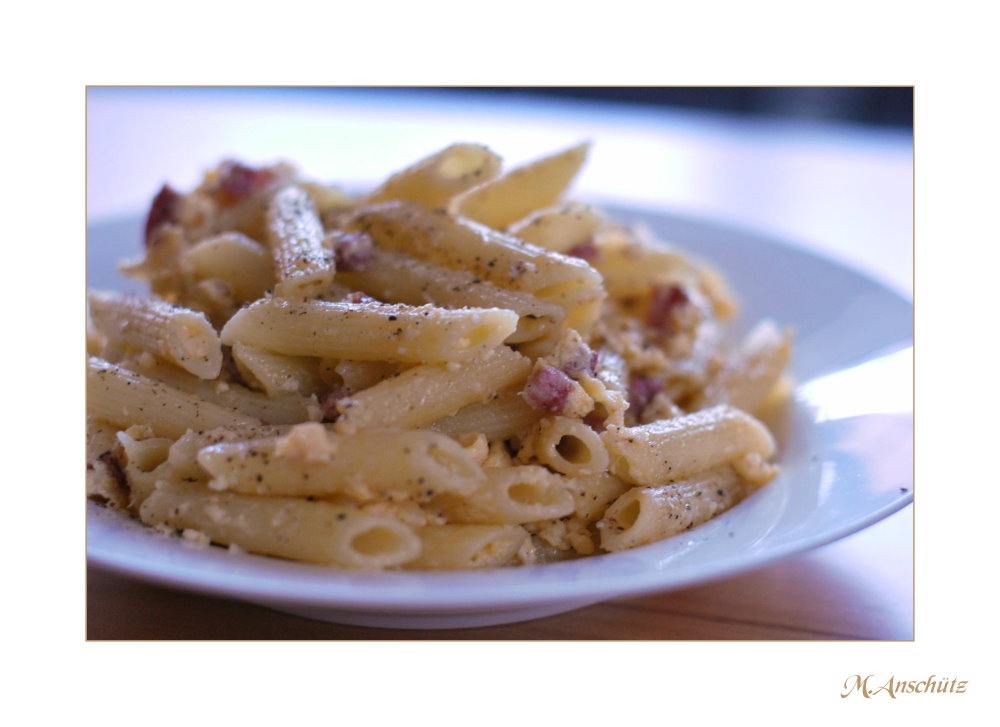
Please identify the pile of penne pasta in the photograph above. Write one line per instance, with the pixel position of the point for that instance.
(458, 369)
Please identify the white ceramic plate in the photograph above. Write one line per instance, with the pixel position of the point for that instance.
(847, 462)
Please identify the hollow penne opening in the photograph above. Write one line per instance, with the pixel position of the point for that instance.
(647, 514)
(569, 446)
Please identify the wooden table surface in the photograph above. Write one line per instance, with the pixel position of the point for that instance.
(858, 588)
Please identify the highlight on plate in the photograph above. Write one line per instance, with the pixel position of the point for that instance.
(459, 369)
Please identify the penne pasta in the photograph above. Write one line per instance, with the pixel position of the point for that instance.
(181, 336)
(434, 181)
(277, 409)
(311, 462)
(276, 374)
(244, 265)
(568, 446)
(369, 331)
(121, 397)
(461, 547)
(303, 266)
(644, 515)
(458, 368)
(400, 278)
(753, 370)
(488, 254)
(419, 396)
(500, 417)
(677, 448)
(510, 495)
(568, 228)
(287, 527)
(516, 194)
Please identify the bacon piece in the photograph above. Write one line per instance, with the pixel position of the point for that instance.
(165, 209)
(237, 182)
(547, 388)
(641, 390)
(585, 251)
(353, 251)
(328, 405)
(664, 303)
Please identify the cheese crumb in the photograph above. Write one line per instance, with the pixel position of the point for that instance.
(195, 536)
(307, 442)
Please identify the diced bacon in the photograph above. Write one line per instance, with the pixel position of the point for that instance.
(328, 404)
(641, 390)
(664, 303)
(585, 251)
(164, 210)
(353, 251)
(237, 182)
(547, 388)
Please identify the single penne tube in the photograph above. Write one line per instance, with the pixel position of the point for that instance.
(244, 265)
(277, 409)
(475, 444)
(630, 267)
(488, 254)
(514, 195)
(358, 375)
(144, 461)
(568, 446)
(435, 180)
(122, 397)
(672, 449)
(645, 515)
(397, 277)
(510, 495)
(329, 200)
(303, 266)
(752, 371)
(276, 373)
(462, 547)
(593, 493)
(105, 479)
(567, 228)
(610, 404)
(183, 456)
(424, 394)
(369, 331)
(500, 417)
(311, 462)
(179, 335)
(499, 455)
(287, 527)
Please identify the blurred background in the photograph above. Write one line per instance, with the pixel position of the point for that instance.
(877, 105)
